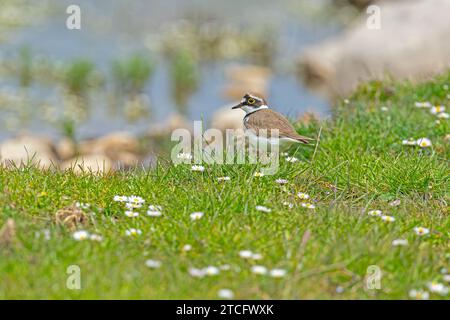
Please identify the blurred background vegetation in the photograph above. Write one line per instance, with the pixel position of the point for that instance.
(130, 68)
(145, 68)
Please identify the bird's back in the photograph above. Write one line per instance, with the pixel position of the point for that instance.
(267, 119)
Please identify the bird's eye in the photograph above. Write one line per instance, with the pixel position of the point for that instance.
(251, 101)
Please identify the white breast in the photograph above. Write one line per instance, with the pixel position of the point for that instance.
(281, 141)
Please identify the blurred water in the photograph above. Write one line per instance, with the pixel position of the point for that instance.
(114, 28)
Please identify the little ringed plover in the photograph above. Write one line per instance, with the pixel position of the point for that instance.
(260, 117)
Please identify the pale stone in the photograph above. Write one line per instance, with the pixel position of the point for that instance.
(110, 145)
(246, 78)
(94, 163)
(173, 122)
(410, 44)
(25, 148)
(65, 149)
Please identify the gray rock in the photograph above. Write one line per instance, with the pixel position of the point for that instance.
(24, 149)
(412, 43)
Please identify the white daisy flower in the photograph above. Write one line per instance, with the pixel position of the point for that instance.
(303, 196)
(246, 254)
(399, 242)
(425, 104)
(258, 174)
(224, 178)
(120, 198)
(96, 237)
(151, 213)
(184, 156)
(308, 205)
(421, 231)
(277, 273)
(225, 294)
(424, 142)
(437, 109)
(136, 200)
(211, 271)
(133, 232)
(256, 256)
(131, 214)
(197, 273)
(196, 215)
(154, 208)
(375, 213)
(409, 142)
(131, 205)
(291, 159)
(45, 232)
(263, 209)
(198, 168)
(443, 115)
(384, 109)
(419, 294)
(388, 218)
(187, 247)
(437, 287)
(82, 205)
(288, 204)
(154, 264)
(80, 235)
(259, 270)
(281, 181)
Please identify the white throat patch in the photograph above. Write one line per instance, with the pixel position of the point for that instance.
(249, 110)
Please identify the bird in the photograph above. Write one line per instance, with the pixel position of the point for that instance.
(260, 117)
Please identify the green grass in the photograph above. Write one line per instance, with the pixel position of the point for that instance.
(78, 76)
(359, 164)
(132, 74)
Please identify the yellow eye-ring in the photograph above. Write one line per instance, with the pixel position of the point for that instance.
(251, 101)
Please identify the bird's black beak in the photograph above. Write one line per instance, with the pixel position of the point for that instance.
(237, 106)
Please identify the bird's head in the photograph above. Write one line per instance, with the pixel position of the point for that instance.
(251, 103)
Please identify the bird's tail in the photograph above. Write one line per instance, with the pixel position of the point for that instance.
(302, 139)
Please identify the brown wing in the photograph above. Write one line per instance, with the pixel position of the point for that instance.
(268, 119)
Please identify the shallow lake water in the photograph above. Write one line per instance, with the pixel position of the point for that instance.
(113, 29)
